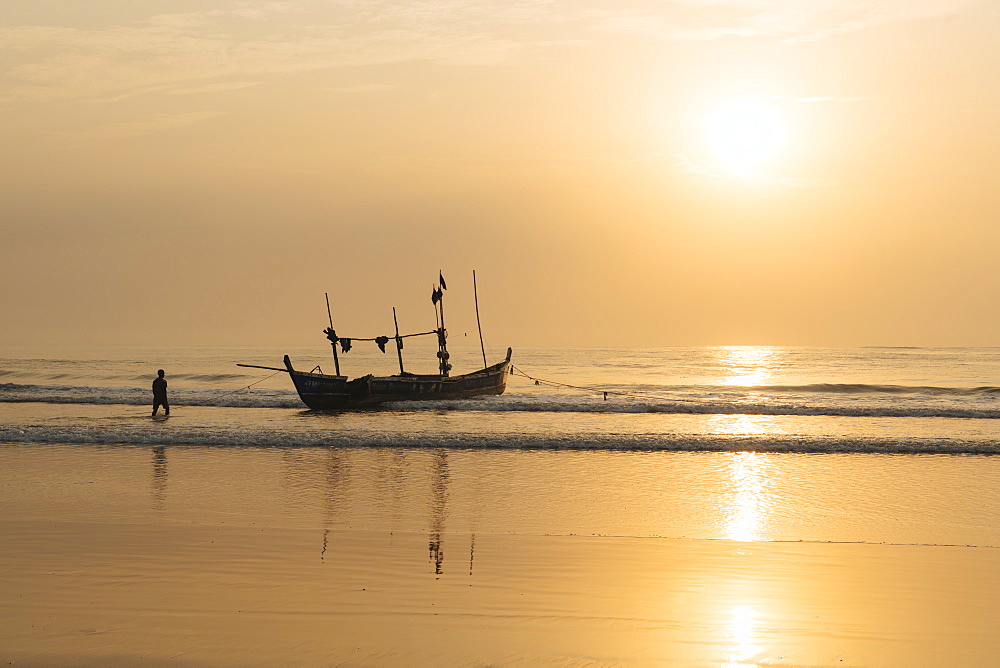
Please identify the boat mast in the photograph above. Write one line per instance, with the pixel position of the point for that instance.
(332, 335)
(399, 341)
(475, 295)
(442, 332)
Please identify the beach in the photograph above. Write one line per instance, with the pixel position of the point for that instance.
(189, 555)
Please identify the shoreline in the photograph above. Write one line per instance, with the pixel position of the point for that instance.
(104, 424)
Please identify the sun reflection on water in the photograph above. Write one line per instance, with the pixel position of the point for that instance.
(748, 505)
(743, 425)
(747, 365)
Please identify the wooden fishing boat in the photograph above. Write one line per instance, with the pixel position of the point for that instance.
(321, 391)
(325, 392)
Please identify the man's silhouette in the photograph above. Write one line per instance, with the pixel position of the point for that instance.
(160, 394)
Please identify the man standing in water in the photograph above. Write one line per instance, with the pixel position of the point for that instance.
(160, 394)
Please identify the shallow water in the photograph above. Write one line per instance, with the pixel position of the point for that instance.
(905, 499)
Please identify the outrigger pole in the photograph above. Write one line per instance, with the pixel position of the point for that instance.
(475, 295)
(333, 341)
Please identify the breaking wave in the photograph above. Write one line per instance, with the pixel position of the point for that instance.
(130, 396)
(704, 407)
(861, 388)
(158, 433)
(853, 401)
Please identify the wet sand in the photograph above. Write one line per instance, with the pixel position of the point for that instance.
(107, 594)
(235, 557)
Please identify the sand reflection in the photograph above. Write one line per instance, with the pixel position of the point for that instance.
(743, 636)
(748, 506)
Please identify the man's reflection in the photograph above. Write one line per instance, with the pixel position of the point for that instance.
(159, 477)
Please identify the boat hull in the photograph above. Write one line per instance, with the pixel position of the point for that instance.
(323, 392)
(320, 391)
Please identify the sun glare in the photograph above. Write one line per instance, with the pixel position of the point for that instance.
(749, 505)
(745, 134)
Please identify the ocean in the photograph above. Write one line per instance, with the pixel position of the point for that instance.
(761, 399)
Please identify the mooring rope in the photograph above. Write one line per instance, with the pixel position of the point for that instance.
(247, 387)
(634, 394)
(515, 371)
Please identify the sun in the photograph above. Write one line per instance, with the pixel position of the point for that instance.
(745, 134)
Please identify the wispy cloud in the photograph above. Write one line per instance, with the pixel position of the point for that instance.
(832, 99)
(220, 87)
(249, 40)
(198, 52)
(801, 182)
(138, 128)
(361, 89)
(790, 21)
(685, 165)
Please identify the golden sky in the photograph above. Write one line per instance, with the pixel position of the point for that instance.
(640, 172)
